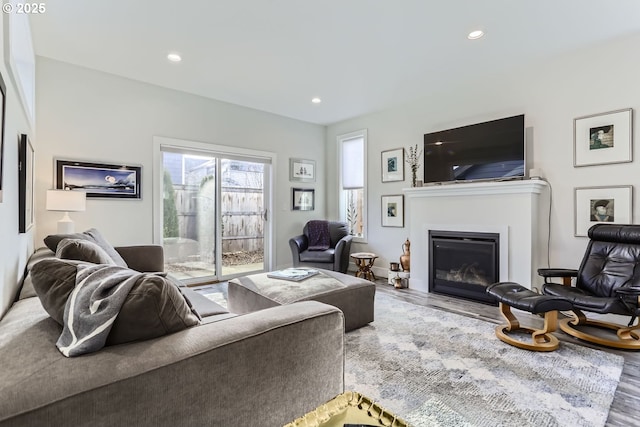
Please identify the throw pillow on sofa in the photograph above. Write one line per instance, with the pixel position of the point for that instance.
(154, 306)
(83, 250)
(91, 235)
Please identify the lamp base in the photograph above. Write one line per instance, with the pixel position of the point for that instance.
(66, 225)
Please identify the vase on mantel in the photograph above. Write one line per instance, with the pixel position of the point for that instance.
(414, 177)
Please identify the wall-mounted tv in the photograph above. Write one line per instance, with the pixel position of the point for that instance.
(491, 150)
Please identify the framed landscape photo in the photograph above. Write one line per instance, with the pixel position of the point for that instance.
(595, 205)
(393, 211)
(302, 170)
(393, 165)
(26, 157)
(99, 180)
(605, 138)
(303, 199)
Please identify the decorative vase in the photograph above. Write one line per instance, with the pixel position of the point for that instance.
(413, 178)
(397, 282)
(405, 258)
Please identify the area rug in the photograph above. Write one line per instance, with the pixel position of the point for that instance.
(436, 368)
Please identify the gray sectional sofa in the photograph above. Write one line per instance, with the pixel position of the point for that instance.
(258, 369)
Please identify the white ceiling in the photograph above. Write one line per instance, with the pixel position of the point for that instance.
(359, 56)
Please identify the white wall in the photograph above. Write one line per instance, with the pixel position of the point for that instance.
(551, 95)
(93, 116)
(14, 247)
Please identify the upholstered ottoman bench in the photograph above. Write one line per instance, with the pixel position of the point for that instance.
(352, 295)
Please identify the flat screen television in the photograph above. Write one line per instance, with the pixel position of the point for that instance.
(493, 150)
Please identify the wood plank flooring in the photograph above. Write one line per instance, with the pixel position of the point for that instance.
(625, 409)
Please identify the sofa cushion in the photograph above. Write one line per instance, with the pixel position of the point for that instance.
(27, 290)
(92, 235)
(53, 280)
(317, 256)
(154, 306)
(83, 250)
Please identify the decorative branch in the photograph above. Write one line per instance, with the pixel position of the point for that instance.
(413, 159)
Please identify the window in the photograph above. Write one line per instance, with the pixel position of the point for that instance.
(211, 203)
(352, 149)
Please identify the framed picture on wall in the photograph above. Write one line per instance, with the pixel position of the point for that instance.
(3, 103)
(302, 170)
(26, 157)
(393, 211)
(393, 165)
(303, 199)
(601, 139)
(593, 205)
(99, 180)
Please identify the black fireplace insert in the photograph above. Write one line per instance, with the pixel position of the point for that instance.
(463, 264)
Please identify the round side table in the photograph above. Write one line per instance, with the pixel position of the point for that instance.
(364, 261)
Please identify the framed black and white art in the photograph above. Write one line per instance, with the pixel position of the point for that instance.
(303, 199)
(393, 165)
(601, 139)
(302, 170)
(393, 211)
(593, 205)
(26, 157)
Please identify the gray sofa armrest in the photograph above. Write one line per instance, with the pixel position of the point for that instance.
(341, 254)
(260, 369)
(143, 258)
(298, 244)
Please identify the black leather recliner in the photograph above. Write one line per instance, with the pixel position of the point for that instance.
(335, 258)
(607, 282)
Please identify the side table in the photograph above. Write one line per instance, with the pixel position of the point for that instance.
(364, 261)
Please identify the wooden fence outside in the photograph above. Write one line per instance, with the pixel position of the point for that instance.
(242, 221)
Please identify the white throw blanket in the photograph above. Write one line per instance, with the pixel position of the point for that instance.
(93, 306)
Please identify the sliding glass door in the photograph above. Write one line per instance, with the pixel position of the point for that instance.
(214, 213)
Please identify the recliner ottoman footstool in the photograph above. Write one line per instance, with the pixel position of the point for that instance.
(353, 296)
(510, 294)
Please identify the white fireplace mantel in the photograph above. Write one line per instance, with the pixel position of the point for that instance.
(527, 186)
(512, 208)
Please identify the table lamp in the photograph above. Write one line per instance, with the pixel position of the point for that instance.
(66, 201)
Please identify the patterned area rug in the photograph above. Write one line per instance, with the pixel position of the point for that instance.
(435, 368)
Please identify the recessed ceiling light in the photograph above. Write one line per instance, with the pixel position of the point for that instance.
(174, 57)
(473, 35)
(316, 100)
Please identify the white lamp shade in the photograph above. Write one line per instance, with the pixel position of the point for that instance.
(66, 200)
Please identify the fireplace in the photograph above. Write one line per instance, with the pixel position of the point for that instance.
(463, 264)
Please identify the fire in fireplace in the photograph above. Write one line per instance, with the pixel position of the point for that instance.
(463, 264)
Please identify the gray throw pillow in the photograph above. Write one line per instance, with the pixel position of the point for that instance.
(154, 306)
(83, 250)
(53, 280)
(92, 235)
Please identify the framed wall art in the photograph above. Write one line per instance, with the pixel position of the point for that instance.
(302, 170)
(303, 199)
(3, 103)
(393, 211)
(26, 157)
(593, 205)
(393, 165)
(601, 139)
(99, 179)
